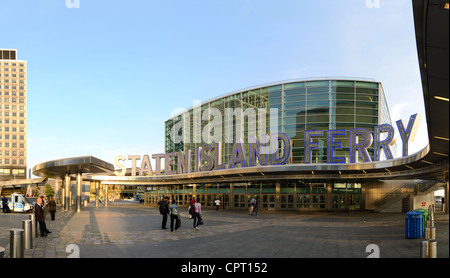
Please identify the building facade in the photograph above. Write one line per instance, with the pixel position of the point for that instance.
(13, 109)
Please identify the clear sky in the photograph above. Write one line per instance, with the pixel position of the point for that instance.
(103, 78)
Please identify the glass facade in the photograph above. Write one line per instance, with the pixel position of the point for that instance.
(298, 106)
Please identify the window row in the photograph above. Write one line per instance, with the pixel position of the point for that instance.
(8, 161)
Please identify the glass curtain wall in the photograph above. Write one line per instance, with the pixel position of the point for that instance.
(301, 106)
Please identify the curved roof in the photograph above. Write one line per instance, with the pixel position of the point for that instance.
(84, 164)
(432, 37)
(276, 83)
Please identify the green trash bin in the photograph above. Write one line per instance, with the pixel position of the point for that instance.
(425, 217)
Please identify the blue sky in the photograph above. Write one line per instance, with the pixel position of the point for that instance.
(103, 78)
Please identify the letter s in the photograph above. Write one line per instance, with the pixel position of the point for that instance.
(120, 165)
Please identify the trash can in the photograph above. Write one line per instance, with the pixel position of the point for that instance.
(425, 216)
(414, 224)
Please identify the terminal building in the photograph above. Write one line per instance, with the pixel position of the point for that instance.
(323, 145)
(299, 106)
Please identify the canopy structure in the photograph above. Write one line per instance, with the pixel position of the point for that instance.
(65, 168)
(75, 165)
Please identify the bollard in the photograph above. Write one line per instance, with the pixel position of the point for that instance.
(27, 234)
(32, 217)
(430, 223)
(430, 233)
(16, 243)
(432, 249)
(2, 252)
(424, 249)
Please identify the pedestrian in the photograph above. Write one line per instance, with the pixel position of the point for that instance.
(52, 208)
(174, 216)
(191, 203)
(164, 210)
(255, 207)
(252, 205)
(4, 204)
(45, 206)
(197, 214)
(217, 201)
(39, 214)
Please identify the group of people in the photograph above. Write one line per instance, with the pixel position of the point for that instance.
(195, 210)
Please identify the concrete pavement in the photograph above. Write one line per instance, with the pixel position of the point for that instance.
(132, 230)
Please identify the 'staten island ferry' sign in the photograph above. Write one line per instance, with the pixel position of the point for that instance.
(266, 150)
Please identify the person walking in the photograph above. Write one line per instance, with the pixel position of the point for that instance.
(255, 207)
(252, 205)
(191, 203)
(39, 214)
(197, 214)
(217, 201)
(174, 216)
(52, 208)
(164, 210)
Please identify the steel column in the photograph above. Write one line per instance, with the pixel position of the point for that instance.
(79, 189)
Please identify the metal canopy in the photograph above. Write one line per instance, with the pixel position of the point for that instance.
(432, 36)
(76, 165)
(22, 182)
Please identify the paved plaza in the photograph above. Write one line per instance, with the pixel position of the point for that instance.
(132, 230)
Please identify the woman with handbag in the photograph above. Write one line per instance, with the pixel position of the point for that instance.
(197, 214)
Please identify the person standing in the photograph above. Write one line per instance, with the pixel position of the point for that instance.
(164, 210)
(174, 215)
(45, 206)
(52, 208)
(39, 213)
(4, 204)
(197, 214)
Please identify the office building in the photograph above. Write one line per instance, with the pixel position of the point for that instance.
(13, 110)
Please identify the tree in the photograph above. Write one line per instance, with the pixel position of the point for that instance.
(48, 190)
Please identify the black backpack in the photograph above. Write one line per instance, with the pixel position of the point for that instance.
(192, 209)
(163, 207)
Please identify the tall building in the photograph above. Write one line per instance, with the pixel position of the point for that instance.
(13, 109)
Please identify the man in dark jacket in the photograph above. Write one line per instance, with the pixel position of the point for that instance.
(5, 204)
(39, 213)
(164, 210)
